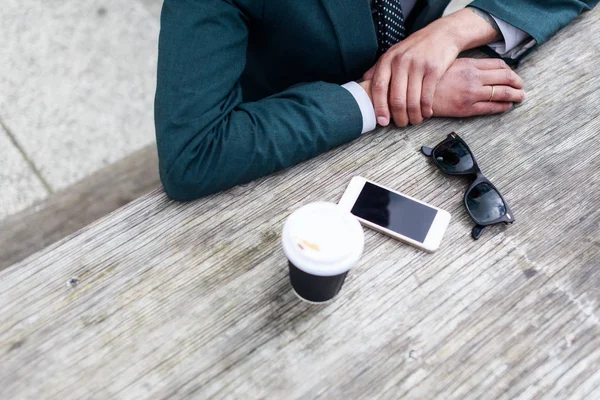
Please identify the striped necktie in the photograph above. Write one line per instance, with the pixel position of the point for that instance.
(389, 23)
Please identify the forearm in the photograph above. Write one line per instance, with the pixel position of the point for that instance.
(469, 30)
(511, 41)
(253, 139)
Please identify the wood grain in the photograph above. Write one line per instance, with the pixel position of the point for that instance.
(174, 300)
(71, 209)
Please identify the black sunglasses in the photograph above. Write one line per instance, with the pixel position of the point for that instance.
(483, 201)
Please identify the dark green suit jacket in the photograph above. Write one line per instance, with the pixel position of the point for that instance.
(248, 87)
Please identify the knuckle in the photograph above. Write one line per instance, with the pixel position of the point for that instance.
(407, 57)
(519, 79)
(417, 65)
(506, 93)
(421, 63)
(510, 76)
(426, 101)
(431, 69)
(386, 57)
(465, 102)
(470, 74)
(467, 62)
(413, 107)
(470, 89)
(380, 109)
(379, 85)
(397, 103)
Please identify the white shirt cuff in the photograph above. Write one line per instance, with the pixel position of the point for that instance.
(512, 38)
(365, 105)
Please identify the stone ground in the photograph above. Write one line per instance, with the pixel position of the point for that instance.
(77, 80)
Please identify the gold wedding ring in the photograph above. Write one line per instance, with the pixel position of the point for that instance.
(492, 96)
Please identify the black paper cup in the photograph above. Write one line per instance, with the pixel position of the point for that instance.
(322, 242)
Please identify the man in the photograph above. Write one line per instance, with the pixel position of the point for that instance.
(248, 87)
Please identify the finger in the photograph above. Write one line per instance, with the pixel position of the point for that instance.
(502, 94)
(506, 77)
(429, 84)
(490, 107)
(398, 88)
(379, 90)
(413, 95)
(490, 63)
(369, 74)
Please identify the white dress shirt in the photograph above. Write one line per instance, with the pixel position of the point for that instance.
(513, 43)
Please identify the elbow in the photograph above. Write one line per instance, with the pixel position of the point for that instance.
(180, 186)
(185, 171)
(175, 188)
(191, 169)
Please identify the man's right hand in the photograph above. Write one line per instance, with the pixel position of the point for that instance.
(466, 88)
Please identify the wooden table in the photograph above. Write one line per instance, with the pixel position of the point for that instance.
(166, 300)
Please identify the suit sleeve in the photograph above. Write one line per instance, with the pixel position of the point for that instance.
(208, 138)
(541, 19)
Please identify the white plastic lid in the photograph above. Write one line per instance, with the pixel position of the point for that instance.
(323, 239)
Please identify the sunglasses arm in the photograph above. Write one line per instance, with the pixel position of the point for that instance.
(477, 231)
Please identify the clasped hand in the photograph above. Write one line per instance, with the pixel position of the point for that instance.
(421, 77)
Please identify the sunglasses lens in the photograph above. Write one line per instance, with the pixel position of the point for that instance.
(485, 204)
(453, 157)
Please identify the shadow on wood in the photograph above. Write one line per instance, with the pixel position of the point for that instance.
(69, 210)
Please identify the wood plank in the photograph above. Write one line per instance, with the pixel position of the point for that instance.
(69, 210)
(192, 300)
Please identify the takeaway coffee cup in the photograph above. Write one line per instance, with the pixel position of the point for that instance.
(321, 242)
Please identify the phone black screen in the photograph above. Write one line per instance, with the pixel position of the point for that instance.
(394, 212)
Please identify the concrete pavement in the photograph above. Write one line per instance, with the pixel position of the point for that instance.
(77, 80)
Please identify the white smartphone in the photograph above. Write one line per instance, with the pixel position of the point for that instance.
(395, 214)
